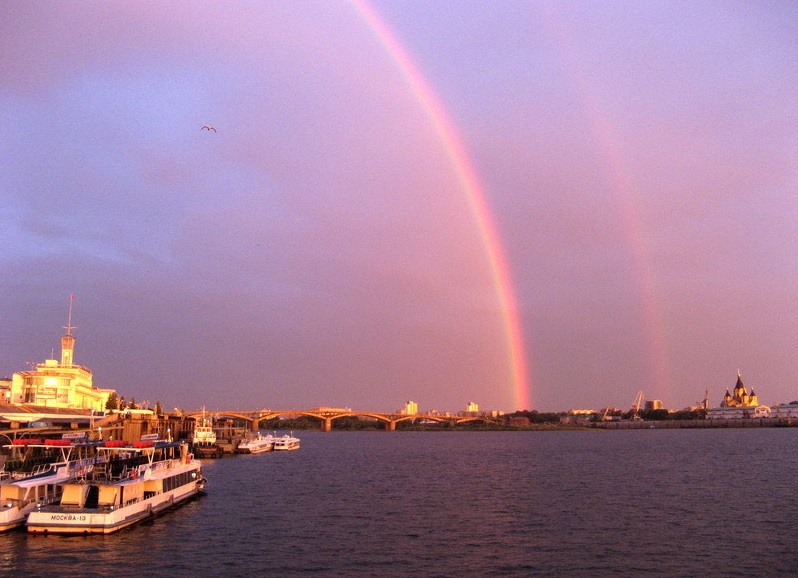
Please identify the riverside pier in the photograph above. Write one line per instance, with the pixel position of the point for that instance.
(233, 425)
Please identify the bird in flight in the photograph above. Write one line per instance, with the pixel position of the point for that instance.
(208, 127)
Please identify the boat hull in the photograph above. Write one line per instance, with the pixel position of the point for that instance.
(254, 450)
(207, 452)
(256, 446)
(11, 518)
(286, 448)
(15, 516)
(286, 443)
(93, 522)
(20, 497)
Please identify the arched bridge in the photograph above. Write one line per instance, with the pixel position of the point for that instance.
(327, 416)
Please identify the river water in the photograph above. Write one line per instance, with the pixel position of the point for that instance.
(670, 503)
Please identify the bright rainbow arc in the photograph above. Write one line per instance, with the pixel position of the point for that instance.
(467, 177)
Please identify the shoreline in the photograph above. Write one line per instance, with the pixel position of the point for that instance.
(699, 423)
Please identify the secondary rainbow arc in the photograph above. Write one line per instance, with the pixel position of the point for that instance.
(620, 181)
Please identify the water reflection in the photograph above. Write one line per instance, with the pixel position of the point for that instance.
(663, 502)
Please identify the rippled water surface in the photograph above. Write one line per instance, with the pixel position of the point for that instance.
(564, 503)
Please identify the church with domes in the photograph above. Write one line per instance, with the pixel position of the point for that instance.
(739, 404)
(740, 397)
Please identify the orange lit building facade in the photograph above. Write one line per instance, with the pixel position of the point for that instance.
(58, 385)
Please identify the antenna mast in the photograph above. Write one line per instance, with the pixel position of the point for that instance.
(69, 327)
(68, 341)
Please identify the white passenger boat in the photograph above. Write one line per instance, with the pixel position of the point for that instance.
(23, 490)
(139, 480)
(286, 442)
(256, 445)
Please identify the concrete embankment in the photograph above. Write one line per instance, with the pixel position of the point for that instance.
(698, 423)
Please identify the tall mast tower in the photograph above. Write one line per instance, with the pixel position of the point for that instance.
(68, 341)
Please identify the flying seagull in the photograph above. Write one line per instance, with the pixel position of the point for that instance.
(208, 127)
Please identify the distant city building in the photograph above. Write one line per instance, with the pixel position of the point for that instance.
(739, 404)
(410, 408)
(58, 385)
(654, 404)
(578, 416)
(759, 411)
(472, 407)
(785, 410)
(5, 390)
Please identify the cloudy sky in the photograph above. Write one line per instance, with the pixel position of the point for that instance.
(529, 205)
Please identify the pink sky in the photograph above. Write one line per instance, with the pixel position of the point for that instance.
(638, 160)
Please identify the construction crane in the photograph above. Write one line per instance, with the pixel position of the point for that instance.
(704, 404)
(636, 405)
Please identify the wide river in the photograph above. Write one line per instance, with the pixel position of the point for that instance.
(692, 503)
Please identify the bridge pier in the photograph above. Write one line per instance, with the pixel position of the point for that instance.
(390, 426)
(254, 426)
(326, 424)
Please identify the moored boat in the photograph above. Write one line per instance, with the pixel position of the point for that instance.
(203, 443)
(286, 442)
(139, 480)
(20, 497)
(22, 492)
(256, 445)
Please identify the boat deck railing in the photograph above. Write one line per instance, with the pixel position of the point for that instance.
(104, 472)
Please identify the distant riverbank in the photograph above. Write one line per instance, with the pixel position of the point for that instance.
(698, 423)
(552, 426)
